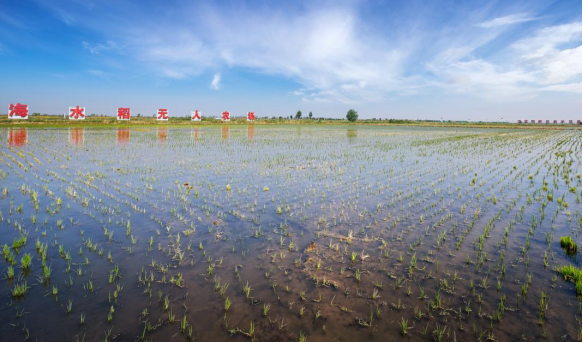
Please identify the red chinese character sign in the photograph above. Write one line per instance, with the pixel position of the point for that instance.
(196, 115)
(77, 113)
(226, 116)
(18, 111)
(123, 113)
(162, 114)
(250, 116)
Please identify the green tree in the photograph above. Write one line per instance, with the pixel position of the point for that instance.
(352, 115)
(310, 115)
(299, 114)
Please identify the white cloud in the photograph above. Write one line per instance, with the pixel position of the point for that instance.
(337, 55)
(507, 20)
(560, 66)
(215, 82)
(97, 48)
(540, 62)
(566, 88)
(548, 40)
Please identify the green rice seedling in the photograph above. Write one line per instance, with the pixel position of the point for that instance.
(569, 245)
(26, 261)
(247, 290)
(10, 272)
(228, 304)
(302, 337)
(543, 306)
(318, 315)
(183, 323)
(171, 316)
(573, 274)
(47, 273)
(378, 284)
(524, 290)
(166, 303)
(110, 314)
(404, 326)
(19, 289)
(439, 333)
(418, 314)
(266, 308)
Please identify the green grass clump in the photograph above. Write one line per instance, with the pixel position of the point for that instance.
(573, 274)
(569, 245)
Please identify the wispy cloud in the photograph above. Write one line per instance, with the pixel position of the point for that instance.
(507, 20)
(98, 48)
(215, 82)
(548, 40)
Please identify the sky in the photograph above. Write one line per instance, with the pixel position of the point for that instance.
(451, 60)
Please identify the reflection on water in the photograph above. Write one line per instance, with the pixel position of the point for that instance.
(162, 134)
(195, 133)
(226, 130)
(76, 136)
(123, 136)
(17, 137)
(351, 133)
(250, 132)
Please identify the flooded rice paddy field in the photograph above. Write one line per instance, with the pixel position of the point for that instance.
(289, 234)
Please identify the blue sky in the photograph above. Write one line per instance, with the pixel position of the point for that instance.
(476, 60)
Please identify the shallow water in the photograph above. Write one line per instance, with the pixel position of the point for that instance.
(423, 211)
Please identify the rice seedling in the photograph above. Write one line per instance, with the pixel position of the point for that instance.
(19, 289)
(404, 326)
(228, 304)
(266, 308)
(26, 261)
(569, 245)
